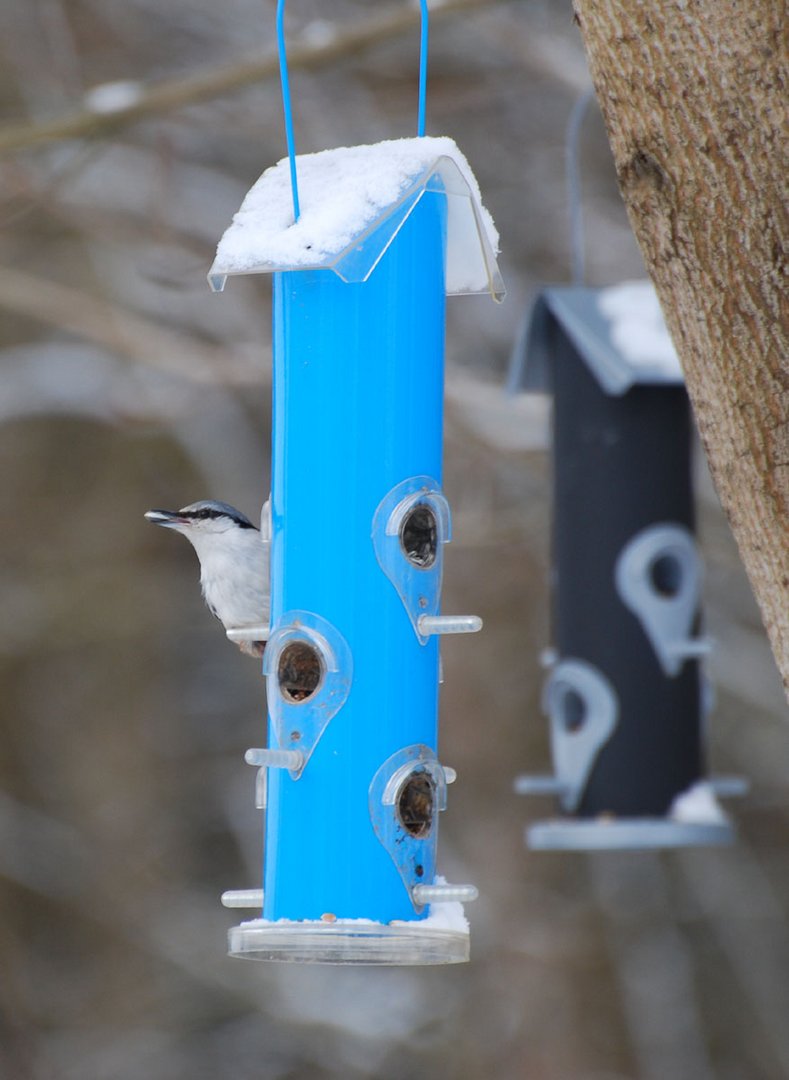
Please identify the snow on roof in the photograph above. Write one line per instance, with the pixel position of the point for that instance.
(618, 331)
(698, 805)
(345, 194)
(637, 327)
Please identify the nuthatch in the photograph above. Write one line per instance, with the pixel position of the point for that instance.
(234, 564)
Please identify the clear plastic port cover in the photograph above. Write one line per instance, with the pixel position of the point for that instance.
(309, 669)
(407, 794)
(410, 527)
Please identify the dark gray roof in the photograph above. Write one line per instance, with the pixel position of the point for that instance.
(576, 311)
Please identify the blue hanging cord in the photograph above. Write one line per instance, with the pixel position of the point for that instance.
(286, 105)
(573, 181)
(283, 78)
(420, 120)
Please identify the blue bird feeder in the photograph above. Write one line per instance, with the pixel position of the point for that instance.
(624, 695)
(364, 243)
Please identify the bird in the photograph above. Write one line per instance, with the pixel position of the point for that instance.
(234, 563)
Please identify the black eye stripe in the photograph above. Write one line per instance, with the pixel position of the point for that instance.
(209, 514)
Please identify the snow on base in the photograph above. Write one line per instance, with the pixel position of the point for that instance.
(639, 330)
(443, 916)
(341, 193)
(447, 915)
(698, 806)
(258, 923)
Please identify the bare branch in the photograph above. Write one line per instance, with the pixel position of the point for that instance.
(177, 93)
(122, 332)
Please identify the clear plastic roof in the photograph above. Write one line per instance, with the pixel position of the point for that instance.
(354, 201)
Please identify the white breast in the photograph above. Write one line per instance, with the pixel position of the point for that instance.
(234, 575)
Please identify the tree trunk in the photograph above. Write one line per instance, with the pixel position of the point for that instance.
(693, 96)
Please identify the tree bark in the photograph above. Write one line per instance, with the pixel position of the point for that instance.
(693, 93)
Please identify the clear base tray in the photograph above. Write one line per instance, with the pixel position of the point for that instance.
(350, 942)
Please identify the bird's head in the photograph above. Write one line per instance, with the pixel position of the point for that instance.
(208, 517)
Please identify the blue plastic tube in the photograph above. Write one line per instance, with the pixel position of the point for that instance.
(357, 409)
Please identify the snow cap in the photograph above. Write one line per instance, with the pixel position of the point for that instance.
(353, 201)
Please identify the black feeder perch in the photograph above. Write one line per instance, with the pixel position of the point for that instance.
(624, 695)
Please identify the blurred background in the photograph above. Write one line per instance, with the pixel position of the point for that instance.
(125, 805)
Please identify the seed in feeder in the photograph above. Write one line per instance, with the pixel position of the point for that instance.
(299, 671)
(415, 804)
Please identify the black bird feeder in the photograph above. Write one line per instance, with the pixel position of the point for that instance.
(625, 696)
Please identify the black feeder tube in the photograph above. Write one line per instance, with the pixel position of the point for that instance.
(620, 465)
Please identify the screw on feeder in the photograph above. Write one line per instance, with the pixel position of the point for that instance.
(290, 138)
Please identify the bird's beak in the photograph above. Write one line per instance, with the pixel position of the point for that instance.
(167, 518)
